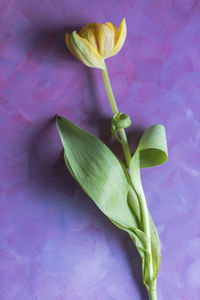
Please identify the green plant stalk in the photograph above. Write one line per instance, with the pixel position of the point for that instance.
(152, 295)
(115, 110)
(152, 292)
(145, 220)
(146, 226)
(124, 142)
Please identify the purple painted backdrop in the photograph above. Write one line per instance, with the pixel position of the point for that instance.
(55, 244)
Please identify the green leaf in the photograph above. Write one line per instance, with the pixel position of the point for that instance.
(151, 151)
(98, 172)
(106, 180)
(132, 198)
(137, 234)
(155, 248)
(141, 241)
(153, 147)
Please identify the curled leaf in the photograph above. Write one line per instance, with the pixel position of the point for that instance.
(153, 147)
(119, 121)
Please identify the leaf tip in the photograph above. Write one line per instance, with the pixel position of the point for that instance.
(58, 118)
(58, 122)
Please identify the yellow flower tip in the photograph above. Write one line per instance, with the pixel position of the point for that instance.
(123, 20)
(121, 37)
(67, 40)
(74, 36)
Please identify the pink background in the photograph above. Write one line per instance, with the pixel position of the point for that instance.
(54, 243)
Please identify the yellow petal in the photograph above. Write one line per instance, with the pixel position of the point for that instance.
(100, 37)
(85, 28)
(68, 42)
(114, 31)
(89, 33)
(105, 41)
(121, 37)
(86, 52)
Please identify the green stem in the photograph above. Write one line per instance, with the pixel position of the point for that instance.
(152, 292)
(152, 295)
(114, 108)
(145, 213)
(127, 154)
(145, 217)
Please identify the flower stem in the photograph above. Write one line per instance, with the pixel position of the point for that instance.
(152, 292)
(145, 213)
(114, 108)
(152, 295)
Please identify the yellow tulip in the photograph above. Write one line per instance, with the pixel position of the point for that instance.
(96, 42)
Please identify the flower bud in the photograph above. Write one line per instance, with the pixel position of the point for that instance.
(96, 42)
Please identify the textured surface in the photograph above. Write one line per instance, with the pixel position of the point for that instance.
(54, 243)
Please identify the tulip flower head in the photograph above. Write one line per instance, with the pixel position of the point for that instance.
(96, 42)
